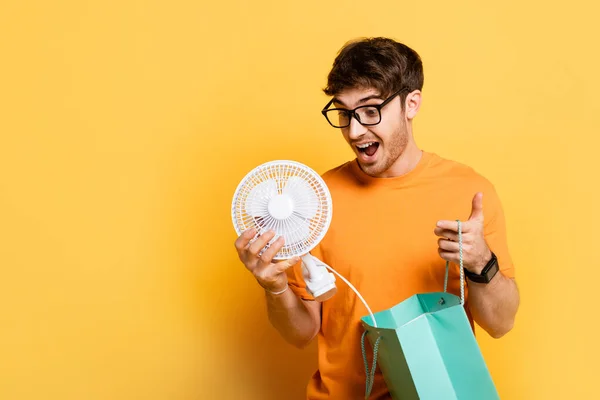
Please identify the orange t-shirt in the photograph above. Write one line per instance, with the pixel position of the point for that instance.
(381, 239)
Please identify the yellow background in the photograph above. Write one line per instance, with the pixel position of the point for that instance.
(126, 126)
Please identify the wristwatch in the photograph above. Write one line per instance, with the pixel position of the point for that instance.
(487, 273)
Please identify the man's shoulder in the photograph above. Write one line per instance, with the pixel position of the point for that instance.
(339, 173)
(447, 168)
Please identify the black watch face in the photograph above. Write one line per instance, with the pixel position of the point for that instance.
(492, 272)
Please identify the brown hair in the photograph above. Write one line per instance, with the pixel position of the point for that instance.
(379, 63)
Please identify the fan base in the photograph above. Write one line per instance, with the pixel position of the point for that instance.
(327, 295)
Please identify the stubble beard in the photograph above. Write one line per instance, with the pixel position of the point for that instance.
(392, 149)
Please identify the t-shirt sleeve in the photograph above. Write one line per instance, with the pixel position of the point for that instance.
(295, 279)
(495, 231)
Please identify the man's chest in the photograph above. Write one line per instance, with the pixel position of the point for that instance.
(388, 237)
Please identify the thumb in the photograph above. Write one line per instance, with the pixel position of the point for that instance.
(477, 208)
(282, 266)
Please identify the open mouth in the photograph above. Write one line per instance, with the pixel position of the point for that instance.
(367, 150)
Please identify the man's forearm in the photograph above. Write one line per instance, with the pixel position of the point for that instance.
(494, 305)
(297, 322)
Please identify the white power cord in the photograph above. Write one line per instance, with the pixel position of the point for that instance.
(318, 264)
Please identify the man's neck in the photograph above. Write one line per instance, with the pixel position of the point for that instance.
(407, 161)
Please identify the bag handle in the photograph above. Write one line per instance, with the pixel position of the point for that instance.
(462, 271)
(370, 374)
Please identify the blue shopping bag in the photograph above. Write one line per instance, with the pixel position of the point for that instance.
(426, 349)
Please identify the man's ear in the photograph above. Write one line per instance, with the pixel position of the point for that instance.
(412, 104)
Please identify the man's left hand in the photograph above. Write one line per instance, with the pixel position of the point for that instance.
(476, 252)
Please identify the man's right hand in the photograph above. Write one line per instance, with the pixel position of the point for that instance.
(270, 275)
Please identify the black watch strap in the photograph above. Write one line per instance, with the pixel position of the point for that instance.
(487, 273)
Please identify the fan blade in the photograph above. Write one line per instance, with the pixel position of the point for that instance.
(297, 231)
(306, 201)
(303, 233)
(258, 199)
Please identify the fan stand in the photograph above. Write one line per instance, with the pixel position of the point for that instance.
(320, 283)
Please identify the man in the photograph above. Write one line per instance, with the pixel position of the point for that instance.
(394, 225)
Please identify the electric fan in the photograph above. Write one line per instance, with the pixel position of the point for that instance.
(292, 200)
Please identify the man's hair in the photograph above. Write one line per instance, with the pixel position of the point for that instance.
(379, 63)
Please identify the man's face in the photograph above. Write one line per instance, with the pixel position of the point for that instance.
(377, 147)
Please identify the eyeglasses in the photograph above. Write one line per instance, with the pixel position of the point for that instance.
(366, 115)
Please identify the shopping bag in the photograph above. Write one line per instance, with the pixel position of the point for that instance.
(426, 349)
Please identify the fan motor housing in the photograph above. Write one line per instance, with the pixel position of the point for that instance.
(281, 206)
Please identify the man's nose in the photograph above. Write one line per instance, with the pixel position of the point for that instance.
(355, 130)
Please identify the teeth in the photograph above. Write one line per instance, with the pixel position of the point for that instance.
(364, 146)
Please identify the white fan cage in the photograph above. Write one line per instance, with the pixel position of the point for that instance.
(311, 204)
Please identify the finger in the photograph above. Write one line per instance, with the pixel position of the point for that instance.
(267, 256)
(242, 241)
(269, 272)
(282, 266)
(477, 208)
(453, 226)
(260, 243)
(448, 255)
(446, 233)
(448, 245)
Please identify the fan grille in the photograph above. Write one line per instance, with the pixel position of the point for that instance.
(309, 219)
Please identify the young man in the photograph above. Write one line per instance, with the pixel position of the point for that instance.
(394, 224)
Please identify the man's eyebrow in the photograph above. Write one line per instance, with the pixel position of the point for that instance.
(337, 101)
(371, 97)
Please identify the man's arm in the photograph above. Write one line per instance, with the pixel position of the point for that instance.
(494, 305)
(298, 321)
